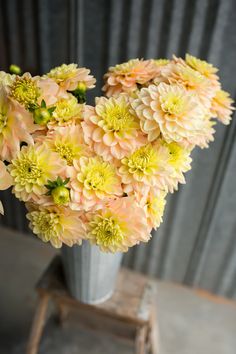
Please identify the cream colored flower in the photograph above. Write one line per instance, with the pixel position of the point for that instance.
(122, 224)
(68, 76)
(171, 110)
(93, 182)
(56, 225)
(112, 127)
(33, 166)
(127, 76)
(222, 107)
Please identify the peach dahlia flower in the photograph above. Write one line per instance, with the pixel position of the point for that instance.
(222, 107)
(178, 72)
(171, 110)
(146, 166)
(93, 181)
(120, 225)
(112, 127)
(68, 76)
(16, 126)
(127, 76)
(56, 225)
(203, 67)
(153, 203)
(68, 142)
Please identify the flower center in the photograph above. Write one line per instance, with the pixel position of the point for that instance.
(96, 178)
(66, 152)
(25, 91)
(67, 109)
(176, 153)
(98, 175)
(28, 171)
(143, 160)
(107, 231)
(118, 118)
(47, 224)
(172, 104)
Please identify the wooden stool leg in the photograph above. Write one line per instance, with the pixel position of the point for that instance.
(140, 340)
(38, 324)
(154, 334)
(63, 311)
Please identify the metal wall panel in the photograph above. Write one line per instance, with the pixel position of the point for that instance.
(196, 243)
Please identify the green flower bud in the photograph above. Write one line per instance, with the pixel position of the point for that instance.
(41, 116)
(60, 195)
(81, 87)
(15, 69)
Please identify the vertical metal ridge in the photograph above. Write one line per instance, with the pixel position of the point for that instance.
(195, 266)
(210, 21)
(123, 43)
(147, 7)
(185, 35)
(165, 28)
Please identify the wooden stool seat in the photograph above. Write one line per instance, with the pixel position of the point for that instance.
(130, 312)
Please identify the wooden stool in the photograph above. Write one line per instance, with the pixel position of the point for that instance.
(130, 313)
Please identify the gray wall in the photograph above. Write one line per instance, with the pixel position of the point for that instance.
(196, 244)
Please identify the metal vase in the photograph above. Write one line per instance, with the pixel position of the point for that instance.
(90, 274)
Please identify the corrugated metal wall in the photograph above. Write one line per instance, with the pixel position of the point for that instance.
(196, 243)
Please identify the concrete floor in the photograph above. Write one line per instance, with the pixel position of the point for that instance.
(191, 322)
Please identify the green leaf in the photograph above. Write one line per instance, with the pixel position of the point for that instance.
(66, 181)
(51, 110)
(43, 104)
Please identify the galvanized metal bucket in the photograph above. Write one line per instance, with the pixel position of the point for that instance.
(90, 274)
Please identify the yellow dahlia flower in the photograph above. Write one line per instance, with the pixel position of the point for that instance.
(56, 225)
(222, 107)
(122, 224)
(67, 142)
(171, 110)
(93, 181)
(112, 127)
(25, 90)
(31, 169)
(147, 165)
(68, 76)
(153, 203)
(180, 161)
(67, 111)
(16, 126)
(127, 76)
(203, 67)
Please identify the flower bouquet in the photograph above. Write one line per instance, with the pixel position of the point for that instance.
(101, 173)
